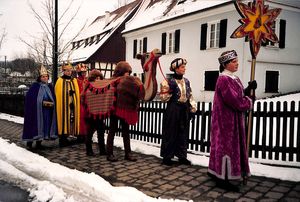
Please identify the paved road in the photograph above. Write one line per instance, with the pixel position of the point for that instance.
(11, 193)
(156, 180)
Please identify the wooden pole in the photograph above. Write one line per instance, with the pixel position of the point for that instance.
(252, 76)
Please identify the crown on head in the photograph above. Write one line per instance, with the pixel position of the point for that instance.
(43, 70)
(227, 57)
(81, 67)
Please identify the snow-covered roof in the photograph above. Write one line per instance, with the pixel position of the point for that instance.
(98, 32)
(155, 11)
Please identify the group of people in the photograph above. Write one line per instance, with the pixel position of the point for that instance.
(60, 112)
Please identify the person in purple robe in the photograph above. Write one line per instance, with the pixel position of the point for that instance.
(228, 153)
(40, 115)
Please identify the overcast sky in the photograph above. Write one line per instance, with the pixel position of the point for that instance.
(18, 20)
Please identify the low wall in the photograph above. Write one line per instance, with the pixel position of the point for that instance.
(12, 104)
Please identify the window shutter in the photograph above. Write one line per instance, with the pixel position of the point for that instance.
(177, 40)
(223, 33)
(282, 34)
(134, 48)
(145, 45)
(163, 42)
(203, 36)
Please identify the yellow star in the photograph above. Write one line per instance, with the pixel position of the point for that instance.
(256, 23)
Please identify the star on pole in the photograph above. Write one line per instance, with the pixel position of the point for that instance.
(257, 20)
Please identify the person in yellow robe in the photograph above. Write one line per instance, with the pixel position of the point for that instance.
(67, 106)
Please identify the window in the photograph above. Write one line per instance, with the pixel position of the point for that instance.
(181, 2)
(73, 45)
(139, 46)
(170, 42)
(92, 40)
(79, 43)
(213, 35)
(272, 78)
(279, 27)
(210, 80)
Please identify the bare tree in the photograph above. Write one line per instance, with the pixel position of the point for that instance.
(2, 35)
(41, 48)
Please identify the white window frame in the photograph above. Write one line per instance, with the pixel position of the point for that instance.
(139, 48)
(216, 37)
(170, 42)
(277, 32)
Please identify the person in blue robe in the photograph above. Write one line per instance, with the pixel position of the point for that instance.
(40, 113)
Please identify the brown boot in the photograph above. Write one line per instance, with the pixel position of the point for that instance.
(111, 158)
(130, 157)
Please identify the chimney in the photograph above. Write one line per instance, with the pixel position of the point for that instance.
(107, 16)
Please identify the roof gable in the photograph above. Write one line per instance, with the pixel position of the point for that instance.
(157, 11)
(98, 32)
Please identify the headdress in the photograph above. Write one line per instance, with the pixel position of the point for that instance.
(67, 66)
(230, 55)
(177, 63)
(43, 71)
(81, 67)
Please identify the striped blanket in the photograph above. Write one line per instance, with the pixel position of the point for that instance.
(99, 97)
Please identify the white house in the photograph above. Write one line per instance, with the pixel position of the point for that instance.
(200, 31)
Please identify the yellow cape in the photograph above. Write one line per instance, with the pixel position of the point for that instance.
(63, 100)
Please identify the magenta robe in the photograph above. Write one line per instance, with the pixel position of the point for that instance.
(228, 153)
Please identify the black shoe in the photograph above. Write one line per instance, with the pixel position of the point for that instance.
(102, 153)
(29, 145)
(39, 145)
(63, 142)
(167, 161)
(224, 184)
(80, 139)
(184, 161)
(129, 157)
(111, 158)
(90, 153)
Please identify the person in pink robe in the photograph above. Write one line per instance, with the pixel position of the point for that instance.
(228, 153)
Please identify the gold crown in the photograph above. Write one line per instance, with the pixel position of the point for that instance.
(81, 67)
(67, 66)
(43, 70)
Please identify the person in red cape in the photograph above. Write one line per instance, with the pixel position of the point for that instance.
(81, 70)
(228, 153)
(130, 91)
(94, 123)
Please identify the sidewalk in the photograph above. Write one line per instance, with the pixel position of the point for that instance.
(154, 179)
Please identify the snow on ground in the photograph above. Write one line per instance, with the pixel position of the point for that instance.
(47, 181)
